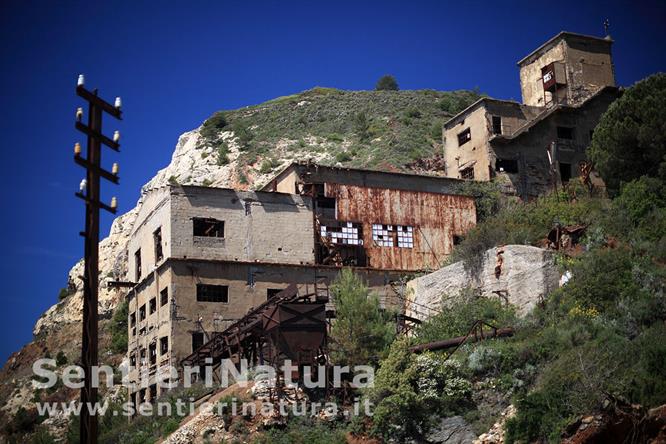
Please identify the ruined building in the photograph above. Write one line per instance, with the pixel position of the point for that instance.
(201, 257)
(531, 147)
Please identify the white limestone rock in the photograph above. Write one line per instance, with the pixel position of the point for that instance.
(527, 275)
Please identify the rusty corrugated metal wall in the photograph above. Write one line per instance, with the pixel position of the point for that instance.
(435, 218)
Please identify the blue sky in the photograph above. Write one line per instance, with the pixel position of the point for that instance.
(175, 63)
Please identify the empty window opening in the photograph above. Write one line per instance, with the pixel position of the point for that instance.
(326, 202)
(392, 235)
(133, 360)
(164, 296)
(152, 353)
(132, 318)
(142, 312)
(137, 264)
(152, 306)
(464, 137)
(506, 165)
(565, 132)
(565, 172)
(197, 340)
(467, 173)
(457, 240)
(164, 345)
(157, 238)
(153, 392)
(497, 125)
(212, 293)
(272, 292)
(349, 233)
(142, 357)
(208, 227)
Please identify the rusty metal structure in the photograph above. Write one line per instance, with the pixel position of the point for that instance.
(380, 220)
(291, 325)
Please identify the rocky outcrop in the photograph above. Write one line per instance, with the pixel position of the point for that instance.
(520, 274)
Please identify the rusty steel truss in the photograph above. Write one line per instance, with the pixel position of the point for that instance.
(291, 325)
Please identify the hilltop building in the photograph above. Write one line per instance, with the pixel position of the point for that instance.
(201, 257)
(530, 147)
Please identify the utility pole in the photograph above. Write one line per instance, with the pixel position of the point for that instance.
(89, 191)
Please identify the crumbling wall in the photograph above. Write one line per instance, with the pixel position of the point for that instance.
(526, 276)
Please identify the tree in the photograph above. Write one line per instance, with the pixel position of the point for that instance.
(119, 328)
(630, 140)
(362, 126)
(362, 330)
(387, 83)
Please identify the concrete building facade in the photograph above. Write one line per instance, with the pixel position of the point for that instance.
(201, 257)
(530, 147)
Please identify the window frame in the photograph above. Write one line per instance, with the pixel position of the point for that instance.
(202, 297)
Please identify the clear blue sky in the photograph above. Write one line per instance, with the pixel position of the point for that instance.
(175, 63)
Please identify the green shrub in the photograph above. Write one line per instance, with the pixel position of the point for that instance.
(343, 157)
(303, 430)
(458, 317)
(630, 140)
(362, 330)
(223, 154)
(410, 390)
(362, 126)
(61, 358)
(387, 83)
(211, 128)
(119, 328)
(63, 293)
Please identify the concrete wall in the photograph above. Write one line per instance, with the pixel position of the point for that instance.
(531, 84)
(588, 68)
(265, 227)
(153, 214)
(529, 148)
(474, 150)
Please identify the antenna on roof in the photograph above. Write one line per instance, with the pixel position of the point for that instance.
(606, 26)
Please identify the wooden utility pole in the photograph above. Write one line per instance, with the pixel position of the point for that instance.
(90, 193)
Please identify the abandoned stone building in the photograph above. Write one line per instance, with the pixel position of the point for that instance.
(531, 147)
(201, 257)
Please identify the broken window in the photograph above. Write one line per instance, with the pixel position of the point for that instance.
(153, 306)
(137, 264)
(391, 235)
(142, 356)
(197, 340)
(506, 165)
(467, 173)
(565, 172)
(132, 362)
(153, 392)
(565, 132)
(133, 323)
(349, 233)
(142, 312)
(212, 293)
(208, 227)
(497, 125)
(164, 296)
(164, 345)
(464, 137)
(152, 353)
(272, 292)
(157, 239)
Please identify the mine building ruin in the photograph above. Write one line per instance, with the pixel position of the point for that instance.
(201, 258)
(534, 146)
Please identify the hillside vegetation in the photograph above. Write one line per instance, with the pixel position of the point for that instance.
(388, 129)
